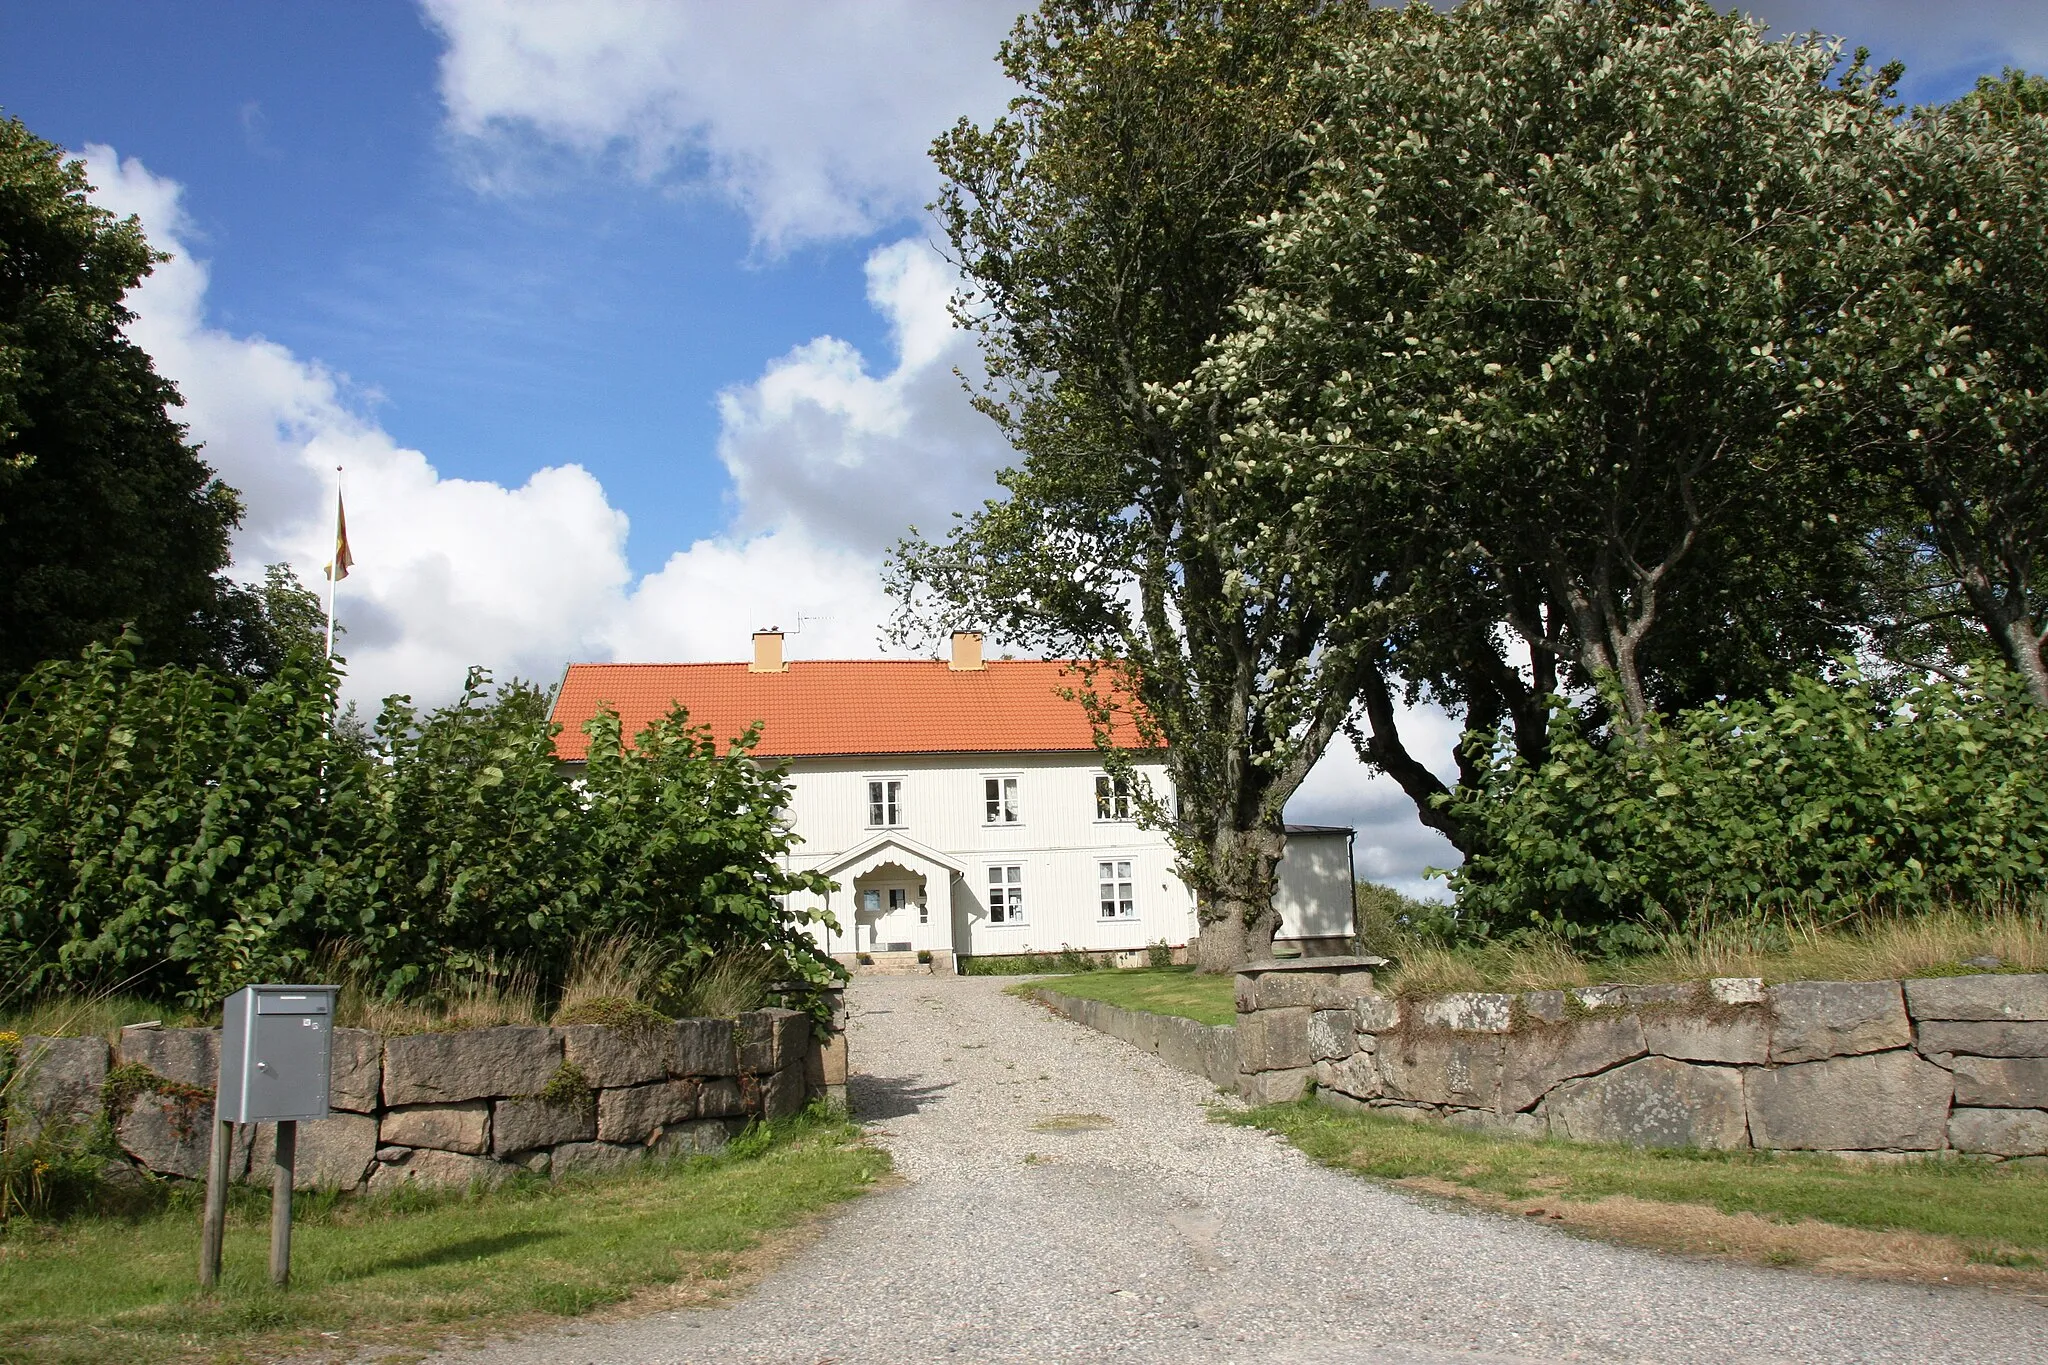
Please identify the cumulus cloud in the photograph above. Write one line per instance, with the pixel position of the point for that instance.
(830, 464)
(812, 116)
(830, 461)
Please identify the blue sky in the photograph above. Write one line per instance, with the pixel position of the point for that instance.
(622, 314)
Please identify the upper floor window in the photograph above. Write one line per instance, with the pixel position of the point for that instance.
(885, 802)
(1006, 895)
(999, 801)
(1115, 881)
(1112, 797)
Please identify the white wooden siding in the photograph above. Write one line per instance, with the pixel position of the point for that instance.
(1058, 842)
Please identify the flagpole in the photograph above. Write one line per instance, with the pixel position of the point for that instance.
(334, 566)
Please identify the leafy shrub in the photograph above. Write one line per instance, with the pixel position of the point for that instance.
(1822, 802)
(166, 831)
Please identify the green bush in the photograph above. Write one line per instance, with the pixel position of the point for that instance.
(170, 833)
(1824, 802)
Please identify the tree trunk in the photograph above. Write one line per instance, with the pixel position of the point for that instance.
(1238, 918)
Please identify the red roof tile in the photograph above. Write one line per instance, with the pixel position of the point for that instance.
(881, 706)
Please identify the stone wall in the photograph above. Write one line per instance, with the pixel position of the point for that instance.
(1945, 1064)
(448, 1108)
(1198, 1049)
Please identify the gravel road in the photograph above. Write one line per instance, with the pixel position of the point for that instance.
(1161, 1236)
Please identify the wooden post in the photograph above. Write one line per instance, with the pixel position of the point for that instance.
(281, 1174)
(213, 1221)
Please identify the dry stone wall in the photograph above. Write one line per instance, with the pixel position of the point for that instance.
(1949, 1064)
(1199, 1049)
(451, 1108)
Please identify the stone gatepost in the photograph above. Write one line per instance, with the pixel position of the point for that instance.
(1292, 1013)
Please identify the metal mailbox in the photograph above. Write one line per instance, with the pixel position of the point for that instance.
(276, 1054)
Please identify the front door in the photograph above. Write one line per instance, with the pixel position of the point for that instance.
(886, 914)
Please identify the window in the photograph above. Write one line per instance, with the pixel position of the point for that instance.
(924, 912)
(1006, 895)
(999, 801)
(898, 897)
(1116, 890)
(1112, 797)
(885, 802)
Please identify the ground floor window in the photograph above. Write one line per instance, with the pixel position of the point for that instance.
(1006, 894)
(1115, 880)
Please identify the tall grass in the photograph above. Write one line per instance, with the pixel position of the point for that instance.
(1877, 946)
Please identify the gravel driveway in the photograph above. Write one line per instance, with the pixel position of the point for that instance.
(1161, 1236)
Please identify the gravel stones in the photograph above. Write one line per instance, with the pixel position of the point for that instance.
(1170, 1239)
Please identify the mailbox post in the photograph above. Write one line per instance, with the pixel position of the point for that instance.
(276, 1066)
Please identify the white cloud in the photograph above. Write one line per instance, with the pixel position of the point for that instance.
(829, 461)
(813, 116)
(449, 572)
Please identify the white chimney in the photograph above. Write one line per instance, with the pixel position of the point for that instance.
(768, 653)
(966, 652)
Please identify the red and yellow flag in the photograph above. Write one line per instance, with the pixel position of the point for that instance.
(338, 569)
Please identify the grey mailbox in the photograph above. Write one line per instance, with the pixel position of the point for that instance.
(276, 1054)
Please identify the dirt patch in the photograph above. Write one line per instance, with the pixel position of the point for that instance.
(1696, 1230)
(1071, 1123)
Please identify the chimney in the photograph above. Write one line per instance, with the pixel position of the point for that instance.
(768, 653)
(966, 652)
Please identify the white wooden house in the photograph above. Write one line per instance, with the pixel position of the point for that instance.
(959, 806)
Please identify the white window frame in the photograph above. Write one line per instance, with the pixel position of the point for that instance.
(1005, 910)
(1116, 888)
(1005, 810)
(1110, 800)
(876, 798)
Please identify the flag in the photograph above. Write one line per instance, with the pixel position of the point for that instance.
(342, 558)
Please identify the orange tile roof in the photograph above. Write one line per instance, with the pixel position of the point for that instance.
(879, 706)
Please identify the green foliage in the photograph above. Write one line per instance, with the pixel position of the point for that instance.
(163, 831)
(107, 513)
(568, 1086)
(1389, 923)
(167, 831)
(1821, 802)
(1104, 230)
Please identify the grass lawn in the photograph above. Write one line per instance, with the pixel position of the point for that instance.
(1157, 990)
(1923, 1219)
(415, 1268)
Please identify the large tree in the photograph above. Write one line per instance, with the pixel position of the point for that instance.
(1944, 378)
(107, 513)
(1105, 228)
(1540, 321)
